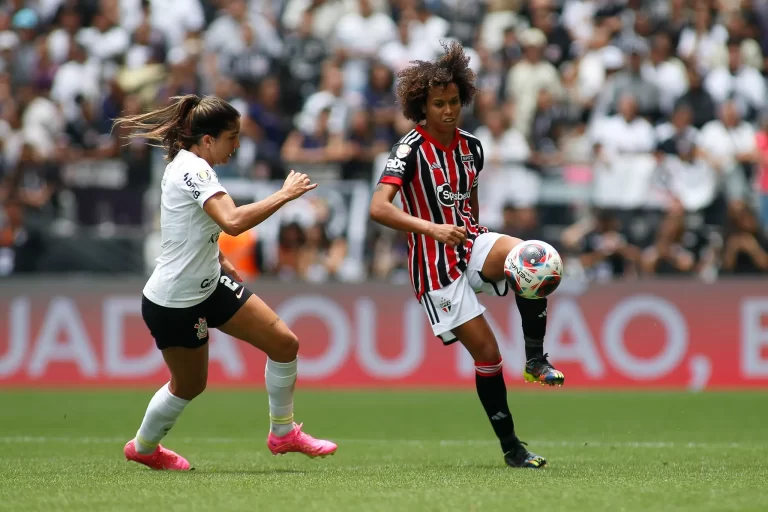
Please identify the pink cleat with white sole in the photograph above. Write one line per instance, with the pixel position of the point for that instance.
(298, 441)
(161, 458)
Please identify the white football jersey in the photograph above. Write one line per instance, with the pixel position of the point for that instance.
(188, 267)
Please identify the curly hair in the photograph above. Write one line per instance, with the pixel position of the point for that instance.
(414, 82)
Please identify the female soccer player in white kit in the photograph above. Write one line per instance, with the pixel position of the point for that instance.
(194, 288)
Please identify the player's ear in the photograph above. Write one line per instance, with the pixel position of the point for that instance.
(207, 141)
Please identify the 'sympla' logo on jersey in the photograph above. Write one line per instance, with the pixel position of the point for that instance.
(448, 197)
(202, 328)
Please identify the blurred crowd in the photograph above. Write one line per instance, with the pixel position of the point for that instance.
(632, 134)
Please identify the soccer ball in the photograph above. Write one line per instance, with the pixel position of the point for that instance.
(533, 269)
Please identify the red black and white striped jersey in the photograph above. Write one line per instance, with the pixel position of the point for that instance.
(435, 185)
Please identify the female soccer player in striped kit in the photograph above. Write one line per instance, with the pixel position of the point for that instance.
(435, 169)
(194, 288)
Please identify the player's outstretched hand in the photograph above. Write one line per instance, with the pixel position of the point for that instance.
(449, 234)
(297, 184)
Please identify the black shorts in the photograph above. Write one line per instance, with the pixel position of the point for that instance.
(188, 327)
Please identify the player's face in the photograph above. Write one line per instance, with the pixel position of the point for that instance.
(443, 108)
(225, 145)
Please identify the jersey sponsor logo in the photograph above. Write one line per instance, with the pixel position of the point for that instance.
(448, 197)
(214, 237)
(191, 184)
(467, 158)
(396, 165)
(207, 283)
(204, 176)
(402, 150)
(202, 328)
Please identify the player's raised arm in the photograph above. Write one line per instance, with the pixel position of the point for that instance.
(234, 220)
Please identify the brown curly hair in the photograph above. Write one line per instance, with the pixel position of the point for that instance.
(414, 82)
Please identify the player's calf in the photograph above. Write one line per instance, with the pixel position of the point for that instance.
(533, 313)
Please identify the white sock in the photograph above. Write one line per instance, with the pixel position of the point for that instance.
(280, 379)
(163, 411)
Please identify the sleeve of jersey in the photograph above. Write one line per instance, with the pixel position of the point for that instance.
(201, 185)
(480, 163)
(400, 166)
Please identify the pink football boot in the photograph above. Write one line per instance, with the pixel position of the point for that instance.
(298, 441)
(161, 458)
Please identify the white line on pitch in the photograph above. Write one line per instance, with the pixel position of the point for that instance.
(396, 442)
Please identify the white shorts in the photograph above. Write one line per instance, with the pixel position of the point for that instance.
(456, 304)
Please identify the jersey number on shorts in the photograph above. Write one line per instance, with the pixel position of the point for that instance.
(226, 281)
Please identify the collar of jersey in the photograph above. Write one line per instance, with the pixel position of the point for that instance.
(433, 141)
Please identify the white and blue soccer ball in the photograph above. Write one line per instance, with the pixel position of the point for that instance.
(533, 269)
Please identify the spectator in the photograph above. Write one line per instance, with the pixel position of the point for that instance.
(505, 175)
(746, 246)
(762, 171)
(304, 55)
(20, 246)
(737, 82)
(666, 72)
(358, 37)
(698, 99)
(242, 43)
(623, 167)
(291, 240)
(605, 251)
(630, 81)
(728, 144)
(318, 152)
(529, 76)
(558, 47)
(689, 179)
(699, 42)
(678, 249)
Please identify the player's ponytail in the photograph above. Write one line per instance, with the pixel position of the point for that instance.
(181, 124)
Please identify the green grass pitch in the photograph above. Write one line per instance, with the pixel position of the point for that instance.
(398, 451)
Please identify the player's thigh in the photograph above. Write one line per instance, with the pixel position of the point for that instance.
(256, 324)
(181, 334)
(189, 370)
(493, 266)
(478, 338)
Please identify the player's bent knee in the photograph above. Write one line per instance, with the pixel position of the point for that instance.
(188, 390)
(488, 354)
(287, 348)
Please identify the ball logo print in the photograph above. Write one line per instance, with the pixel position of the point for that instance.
(533, 269)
